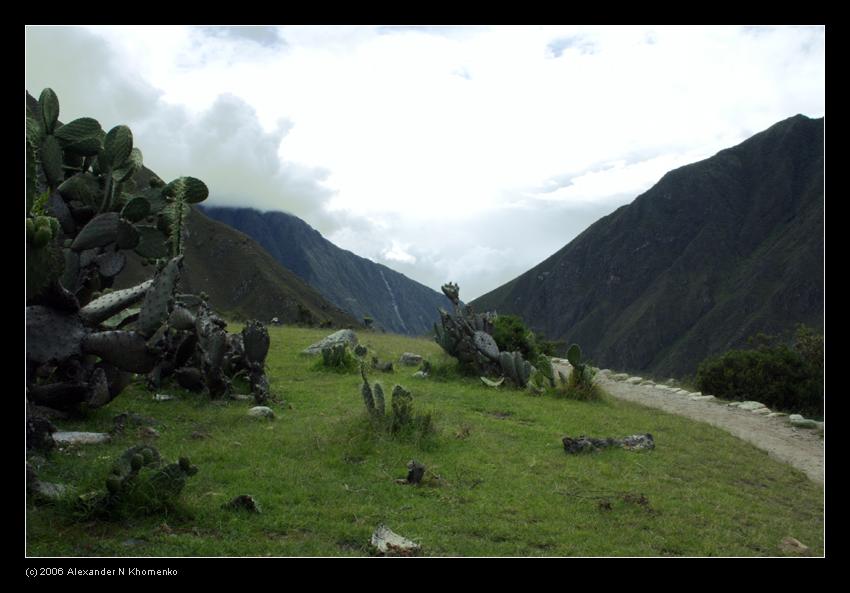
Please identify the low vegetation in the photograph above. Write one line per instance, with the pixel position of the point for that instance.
(497, 480)
(783, 377)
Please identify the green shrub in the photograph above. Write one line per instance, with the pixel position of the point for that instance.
(512, 335)
(787, 378)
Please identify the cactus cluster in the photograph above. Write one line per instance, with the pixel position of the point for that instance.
(84, 214)
(139, 482)
(468, 336)
(515, 368)
(401, 416)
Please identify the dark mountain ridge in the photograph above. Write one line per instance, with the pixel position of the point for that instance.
(715, 252)
(356, 284)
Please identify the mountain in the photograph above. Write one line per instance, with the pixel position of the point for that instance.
(358, 285)
(239, 276)
(715, 252)
(242, 279)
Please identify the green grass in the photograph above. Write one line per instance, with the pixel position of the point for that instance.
(498, 481)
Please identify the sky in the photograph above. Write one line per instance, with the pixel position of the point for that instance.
(448, 153)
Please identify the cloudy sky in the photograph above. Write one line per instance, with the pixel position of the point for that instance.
(467, 154)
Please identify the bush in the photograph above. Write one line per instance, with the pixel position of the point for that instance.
(781, 377)
(579, 386)
(512, 335)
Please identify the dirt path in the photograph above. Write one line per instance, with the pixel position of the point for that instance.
(801, 448)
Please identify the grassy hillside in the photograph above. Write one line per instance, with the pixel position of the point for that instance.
(499, 482)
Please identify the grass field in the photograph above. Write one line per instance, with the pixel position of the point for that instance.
(498, 483)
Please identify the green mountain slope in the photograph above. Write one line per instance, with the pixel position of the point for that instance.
(713, 253)
(353, 283)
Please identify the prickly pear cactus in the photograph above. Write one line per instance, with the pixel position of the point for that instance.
(84, 213)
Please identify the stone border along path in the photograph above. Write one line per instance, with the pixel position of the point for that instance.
(799, 447)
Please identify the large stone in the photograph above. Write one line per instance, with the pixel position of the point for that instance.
(750, 405)
(410, 359)
(261, 412)
(388, 543)
(634, 380)
(795, 420)
(80, 438)
(343, 336)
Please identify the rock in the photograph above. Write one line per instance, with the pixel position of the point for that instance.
(410, 359)
(634, 380)
(750, 405)
(702, 398)
(241, 397)
(243, 502)
(663, 387)
(647, 382)
(681, 392)
(763, 411)
(620, 377)
(81, 438)
(343, 336)
(795, 420)
(261, 412)
(415, 472)
(388, 543)
(360, 350)
(48, 490)
(776, 414)
(584, 444)
(420, 375)
(163, 397)
(148, 433)
(792, 546)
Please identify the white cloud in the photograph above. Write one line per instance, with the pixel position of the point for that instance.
(411, 145)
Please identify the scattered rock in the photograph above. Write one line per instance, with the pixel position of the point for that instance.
(415, 472)
(792, 546)
(163, 397)
(388, 543)
(124, 419)
(48, 490)
(795, 420)
(148, 433)
(241, 397)
(81, 438)
(243, 502)
(343, 336)
(634, 380)
(261, 412)
(750, 405)
(584, 444)
(384, 367)
(702, 398)
(410, 359)
(647, 382)
(776, 414)
(620, 377)
(420, 375)
(764, 411)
